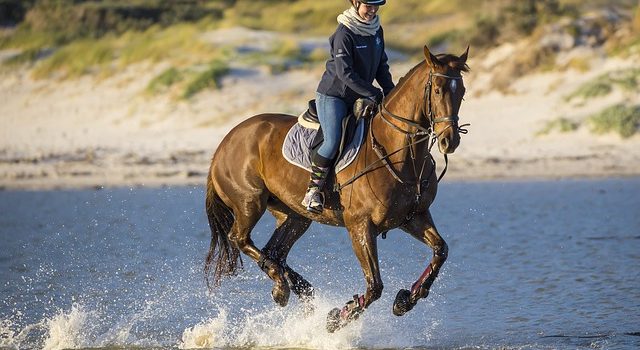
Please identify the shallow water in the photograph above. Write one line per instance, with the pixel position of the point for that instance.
(532, 265)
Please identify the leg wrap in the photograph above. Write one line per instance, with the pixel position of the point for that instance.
(420, 289)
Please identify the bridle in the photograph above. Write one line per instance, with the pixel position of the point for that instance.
(421, 134)
(427, 111)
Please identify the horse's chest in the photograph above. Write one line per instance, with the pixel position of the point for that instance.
(399, 207)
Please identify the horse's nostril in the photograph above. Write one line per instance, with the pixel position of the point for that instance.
(444, 143)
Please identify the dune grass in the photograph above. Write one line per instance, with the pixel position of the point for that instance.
(561, 124)
(78, 58)
(186, 82)
(180, 45)
(209, 78)
(164, 81)
(626, 80)
(621, 119)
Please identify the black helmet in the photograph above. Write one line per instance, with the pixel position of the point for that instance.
(374, 2)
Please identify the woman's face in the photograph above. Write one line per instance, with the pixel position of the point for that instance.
(368, 12)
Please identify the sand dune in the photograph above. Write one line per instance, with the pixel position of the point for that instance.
(92, 133)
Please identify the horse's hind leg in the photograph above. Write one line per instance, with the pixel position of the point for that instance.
(423, 229)
(290, 227)
(247, 213)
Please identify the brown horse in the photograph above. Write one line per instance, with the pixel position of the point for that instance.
(391, 184)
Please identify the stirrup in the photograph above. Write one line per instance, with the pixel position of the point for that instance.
(314, 200)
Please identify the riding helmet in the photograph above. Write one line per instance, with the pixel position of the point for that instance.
(373, 2)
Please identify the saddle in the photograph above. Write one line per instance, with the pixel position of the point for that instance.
(305, 137)
(309, 119)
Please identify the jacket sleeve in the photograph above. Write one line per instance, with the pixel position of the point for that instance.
(343, 58)
(383, 76)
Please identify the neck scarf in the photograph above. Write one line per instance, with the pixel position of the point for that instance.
(350, 19)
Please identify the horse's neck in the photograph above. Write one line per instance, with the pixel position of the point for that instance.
(406, 102)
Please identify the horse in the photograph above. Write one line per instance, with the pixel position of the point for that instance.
(390, 184)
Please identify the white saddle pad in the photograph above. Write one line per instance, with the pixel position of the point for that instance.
(297, 143)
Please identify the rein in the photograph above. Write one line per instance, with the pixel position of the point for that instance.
(423, 134)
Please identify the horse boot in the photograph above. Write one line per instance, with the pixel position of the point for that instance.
(314, 197)
(338, 318)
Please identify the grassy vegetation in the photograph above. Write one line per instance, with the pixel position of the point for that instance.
(188, 82)
(562, 125)
(209, 78)
(590, 89)
(180, 45)
(621, 119)
(78, 58)
(164, 81)
(627, 80)
(68, 38)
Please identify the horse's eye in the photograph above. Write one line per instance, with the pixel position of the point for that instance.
(437, 91)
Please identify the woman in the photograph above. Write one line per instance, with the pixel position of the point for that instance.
(357, 58)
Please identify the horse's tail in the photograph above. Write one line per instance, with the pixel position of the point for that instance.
(226, 254)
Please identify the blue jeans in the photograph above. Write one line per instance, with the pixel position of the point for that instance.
(331, 112)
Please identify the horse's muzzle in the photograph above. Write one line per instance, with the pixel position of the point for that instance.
(448, 142)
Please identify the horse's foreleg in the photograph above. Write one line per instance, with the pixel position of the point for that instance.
(423, 229)
(290, 227)
(363, 241)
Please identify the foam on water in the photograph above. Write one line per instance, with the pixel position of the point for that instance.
(273, 327)
(67, 330)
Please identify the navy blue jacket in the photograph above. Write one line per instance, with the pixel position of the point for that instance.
(355, 62)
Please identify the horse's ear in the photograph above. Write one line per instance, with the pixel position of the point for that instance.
(464, 56)
(431, 59)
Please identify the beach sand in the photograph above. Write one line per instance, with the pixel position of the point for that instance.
(91, 132)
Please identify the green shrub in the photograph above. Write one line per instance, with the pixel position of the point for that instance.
(560, 124)
(594, 88)
(621, 119)
(208, 79)
(627, 79)
(165, 80)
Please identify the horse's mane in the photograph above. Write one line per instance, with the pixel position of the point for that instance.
(403, 80)
(446, 59)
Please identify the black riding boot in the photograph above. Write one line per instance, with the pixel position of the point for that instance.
(314, 197)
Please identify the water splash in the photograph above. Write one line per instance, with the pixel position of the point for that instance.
(67, 330)
(273, 327)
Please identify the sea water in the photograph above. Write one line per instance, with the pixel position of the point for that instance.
(532, 265)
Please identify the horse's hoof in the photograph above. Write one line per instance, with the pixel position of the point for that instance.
(402, 304)
(333, 321)
(280, 293)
